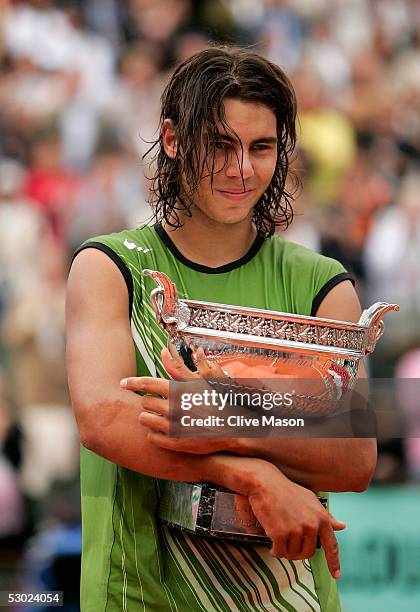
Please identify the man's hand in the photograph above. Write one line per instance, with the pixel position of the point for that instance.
(176, 368)
(292, 516)
(294, 519)
(156, 404)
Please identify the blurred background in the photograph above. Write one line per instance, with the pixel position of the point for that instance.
(79, 102)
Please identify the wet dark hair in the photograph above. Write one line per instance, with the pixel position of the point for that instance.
(193, 100)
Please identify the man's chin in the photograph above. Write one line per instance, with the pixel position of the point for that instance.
(234, 218)
(235, 214)
(227, 214)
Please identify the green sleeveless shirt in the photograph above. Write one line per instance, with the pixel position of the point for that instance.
(130, 562)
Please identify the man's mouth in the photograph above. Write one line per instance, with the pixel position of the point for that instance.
(236, 195)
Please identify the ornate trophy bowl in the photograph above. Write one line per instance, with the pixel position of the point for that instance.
(257, 345)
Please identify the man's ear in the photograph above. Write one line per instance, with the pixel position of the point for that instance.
(170, 144)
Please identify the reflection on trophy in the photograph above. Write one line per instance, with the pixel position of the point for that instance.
(257, 345)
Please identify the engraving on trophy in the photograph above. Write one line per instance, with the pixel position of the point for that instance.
(233, 514)
(280, 329)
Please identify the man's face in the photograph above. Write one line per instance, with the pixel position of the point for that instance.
(232, 197)
(240, 176)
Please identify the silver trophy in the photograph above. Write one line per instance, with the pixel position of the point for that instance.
(248, 343)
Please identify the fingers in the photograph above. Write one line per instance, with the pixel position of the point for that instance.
(175, 366)
(154, 422)
(156, 386)
(203, 366)
(336, 524)
(177, 369)
(163, 441)
(330, 545)
(157, 405)
(299, 548)
(294, 544)
(279, 548)
(308, 547)
(208, 369)
(301, 544)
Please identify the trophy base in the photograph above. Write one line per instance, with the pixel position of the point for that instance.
(209, 510)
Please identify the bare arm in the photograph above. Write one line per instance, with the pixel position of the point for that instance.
(321, 464)
(100, 353)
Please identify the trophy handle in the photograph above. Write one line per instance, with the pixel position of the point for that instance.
(372, 318)
(172, 314)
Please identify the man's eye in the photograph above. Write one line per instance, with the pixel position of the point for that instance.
(261, 147)
(222, 146)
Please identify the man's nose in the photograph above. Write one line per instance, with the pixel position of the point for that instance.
(240, 164)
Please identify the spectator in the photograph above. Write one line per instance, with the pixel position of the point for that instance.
(11, 506)
(132, 111)
(392, 256)
(112, 196)
(21, 233)
(49, 184)
(326, 137)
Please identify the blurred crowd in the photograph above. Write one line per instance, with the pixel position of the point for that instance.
(79, 103)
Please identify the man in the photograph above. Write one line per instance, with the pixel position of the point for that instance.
(227, 131)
